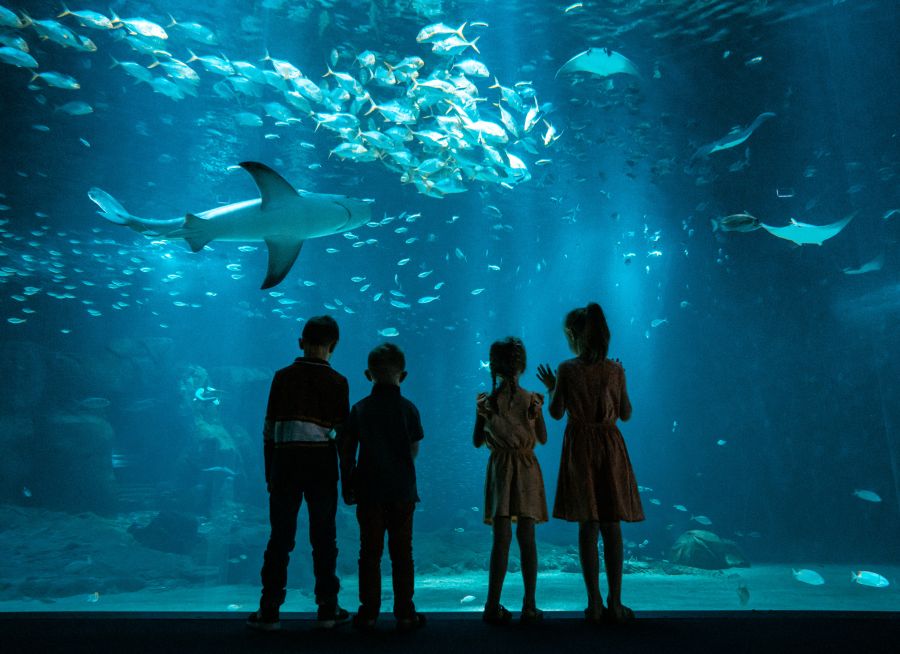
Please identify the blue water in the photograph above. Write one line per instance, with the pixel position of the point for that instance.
(763, 375)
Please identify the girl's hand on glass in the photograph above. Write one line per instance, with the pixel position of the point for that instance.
(545, 374)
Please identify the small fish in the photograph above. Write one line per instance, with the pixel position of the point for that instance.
(428, 299)
(477, 291)
(655, 501)
(743, 594)
(467, 599)
(220, 470)
(26, 492)
(658, 322)
(93, 598)
(810, 577)
(679, 507)
(388, 332)
(721, 442)
(702, 519)
(871, 579)
(475, 509)
(94, 403)
(573, 7)
(459, 530)
(868, 496)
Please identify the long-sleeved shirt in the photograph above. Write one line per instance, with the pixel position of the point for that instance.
(307, 400)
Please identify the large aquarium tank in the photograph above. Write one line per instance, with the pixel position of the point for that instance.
(722, 177)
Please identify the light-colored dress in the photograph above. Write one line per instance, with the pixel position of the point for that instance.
(514, 486)
(596, 481)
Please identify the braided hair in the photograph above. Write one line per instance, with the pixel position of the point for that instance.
(590, 332)
(507, 360)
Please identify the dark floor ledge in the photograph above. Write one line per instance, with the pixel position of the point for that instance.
(455, 633)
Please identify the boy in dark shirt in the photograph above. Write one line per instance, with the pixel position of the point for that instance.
(386, 428)
(307, 400)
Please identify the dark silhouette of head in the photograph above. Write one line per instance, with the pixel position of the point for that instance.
(320, 332)
(587, 332)
(387, 364)
(507, 360)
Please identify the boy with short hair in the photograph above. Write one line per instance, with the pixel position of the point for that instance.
(307, 400)
(386, 429)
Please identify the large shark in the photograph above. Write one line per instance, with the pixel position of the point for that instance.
(282, 217)
(734, 138)
(806, 234)
(599, 61)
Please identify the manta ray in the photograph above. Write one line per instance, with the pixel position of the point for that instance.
(598, 61)
(805, 234)
(733, 138)
(282, 217)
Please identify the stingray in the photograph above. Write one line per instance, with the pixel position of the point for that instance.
(870, 266)
(599, 61)
(805, 234)
(734, 138)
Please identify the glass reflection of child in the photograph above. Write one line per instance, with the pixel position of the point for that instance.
(596, 485)
(510, 422)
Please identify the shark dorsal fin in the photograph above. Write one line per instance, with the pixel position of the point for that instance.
(272, 186)
(282, 254)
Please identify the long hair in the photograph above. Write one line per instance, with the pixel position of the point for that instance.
(507, 360)
(589, 331)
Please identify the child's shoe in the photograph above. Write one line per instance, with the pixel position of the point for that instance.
(411, 624)
(595, 615)
(363, 624)
(264, 620)
(329, 617)
(531, 615)
(497, 616)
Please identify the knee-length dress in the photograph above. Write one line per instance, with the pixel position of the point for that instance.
(596, 480)
(514, 486)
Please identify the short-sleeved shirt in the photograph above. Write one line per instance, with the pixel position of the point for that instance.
(383, 426)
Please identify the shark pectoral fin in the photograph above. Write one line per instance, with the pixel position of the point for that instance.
(193, 232)
(282, 254)
(272, 186)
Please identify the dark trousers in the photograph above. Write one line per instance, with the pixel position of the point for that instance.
(396, 518)
(285, 497)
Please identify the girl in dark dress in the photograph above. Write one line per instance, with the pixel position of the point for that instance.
(596, 485)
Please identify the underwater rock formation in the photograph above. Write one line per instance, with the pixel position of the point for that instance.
(24, 364)
(704, 549)
(71, 455)
(169, 531)
(16, 436)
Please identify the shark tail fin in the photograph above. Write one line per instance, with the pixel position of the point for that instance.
(194, 233)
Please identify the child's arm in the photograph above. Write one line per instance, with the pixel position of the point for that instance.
(558, 395)
(417, 434)
(478, 436)
(348, 443)
(624, 401)
(540, 428)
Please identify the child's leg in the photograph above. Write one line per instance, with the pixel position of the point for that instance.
(371, 545)
(590, 562)
(284, 504)
(321, 502)
(499, 561)
(528, 555)
(613, 557)
(400, 526)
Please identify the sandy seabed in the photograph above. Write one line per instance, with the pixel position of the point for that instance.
(771, 587)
